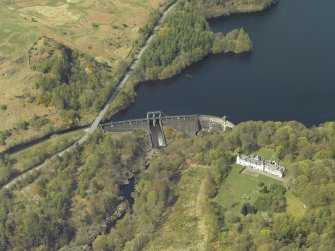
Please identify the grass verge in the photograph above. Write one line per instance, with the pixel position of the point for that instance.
(26, 159)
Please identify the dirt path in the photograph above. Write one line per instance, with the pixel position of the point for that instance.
(102, 113)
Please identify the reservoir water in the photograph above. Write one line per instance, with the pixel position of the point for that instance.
(289, 75)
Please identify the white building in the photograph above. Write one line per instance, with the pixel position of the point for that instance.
(260, 164)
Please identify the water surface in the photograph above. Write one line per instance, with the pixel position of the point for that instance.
(127, 189)
(290, 74)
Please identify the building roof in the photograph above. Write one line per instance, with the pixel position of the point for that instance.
(257, 160)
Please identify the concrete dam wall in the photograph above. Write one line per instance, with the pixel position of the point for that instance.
(156, 121)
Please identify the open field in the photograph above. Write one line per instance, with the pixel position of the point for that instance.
(105, 30)
(238, 187)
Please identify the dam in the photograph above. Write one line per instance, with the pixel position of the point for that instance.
(156, 121)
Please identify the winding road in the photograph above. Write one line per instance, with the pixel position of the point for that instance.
(102, 113)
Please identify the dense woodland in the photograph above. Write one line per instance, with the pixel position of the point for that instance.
(216, 8)
(186, 37)
(74, 83)
(65, 205)
(70, 201)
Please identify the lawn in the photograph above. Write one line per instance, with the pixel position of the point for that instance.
(266, 153)
(238, 186)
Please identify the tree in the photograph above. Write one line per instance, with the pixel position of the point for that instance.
(101, 243)
(248, 209)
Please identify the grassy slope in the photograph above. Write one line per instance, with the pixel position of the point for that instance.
(294, 205)
(183, 228)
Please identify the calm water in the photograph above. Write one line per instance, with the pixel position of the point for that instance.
(290, 75)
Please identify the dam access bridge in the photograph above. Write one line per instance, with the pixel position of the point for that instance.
(155, 121)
